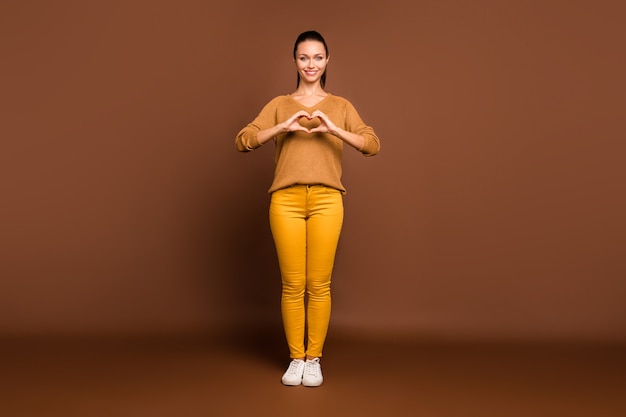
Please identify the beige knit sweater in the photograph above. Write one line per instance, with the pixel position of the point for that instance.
(308, 158)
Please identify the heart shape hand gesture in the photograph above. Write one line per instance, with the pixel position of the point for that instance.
(309, 122)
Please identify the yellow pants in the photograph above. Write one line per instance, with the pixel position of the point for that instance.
(306, 222)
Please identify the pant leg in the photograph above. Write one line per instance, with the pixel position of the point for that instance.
(323, 228)
(288, 225)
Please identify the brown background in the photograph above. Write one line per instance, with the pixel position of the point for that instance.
(494, 210)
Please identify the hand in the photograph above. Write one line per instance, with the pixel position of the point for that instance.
(326, 125)
(292, 124)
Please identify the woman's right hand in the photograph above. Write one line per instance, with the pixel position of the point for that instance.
(292, 124)
(289, 125)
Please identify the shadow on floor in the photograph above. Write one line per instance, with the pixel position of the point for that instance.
(239, 375)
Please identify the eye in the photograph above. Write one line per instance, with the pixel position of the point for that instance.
(319, 58)
(302, 58)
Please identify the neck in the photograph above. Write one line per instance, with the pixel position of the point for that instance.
(310, 89)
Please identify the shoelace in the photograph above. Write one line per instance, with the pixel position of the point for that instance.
(312, 367)
(293, 368)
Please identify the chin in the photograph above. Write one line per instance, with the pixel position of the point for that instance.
(310, 79)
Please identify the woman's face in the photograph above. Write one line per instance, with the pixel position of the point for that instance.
(311, 61)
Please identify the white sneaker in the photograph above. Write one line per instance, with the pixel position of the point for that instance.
(293, 375)
(312, 376)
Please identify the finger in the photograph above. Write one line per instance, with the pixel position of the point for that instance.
(300, 127)
(297, 116)
(322, 117)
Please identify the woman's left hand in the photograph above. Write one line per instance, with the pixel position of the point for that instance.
(326, 125)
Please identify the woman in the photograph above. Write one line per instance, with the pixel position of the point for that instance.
(309, 128)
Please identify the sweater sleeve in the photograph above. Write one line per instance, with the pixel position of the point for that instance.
(355, 124)
(246, 140)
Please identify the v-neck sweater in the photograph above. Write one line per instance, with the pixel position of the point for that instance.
(308, 158)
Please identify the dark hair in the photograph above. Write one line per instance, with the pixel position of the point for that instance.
(311, 35)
